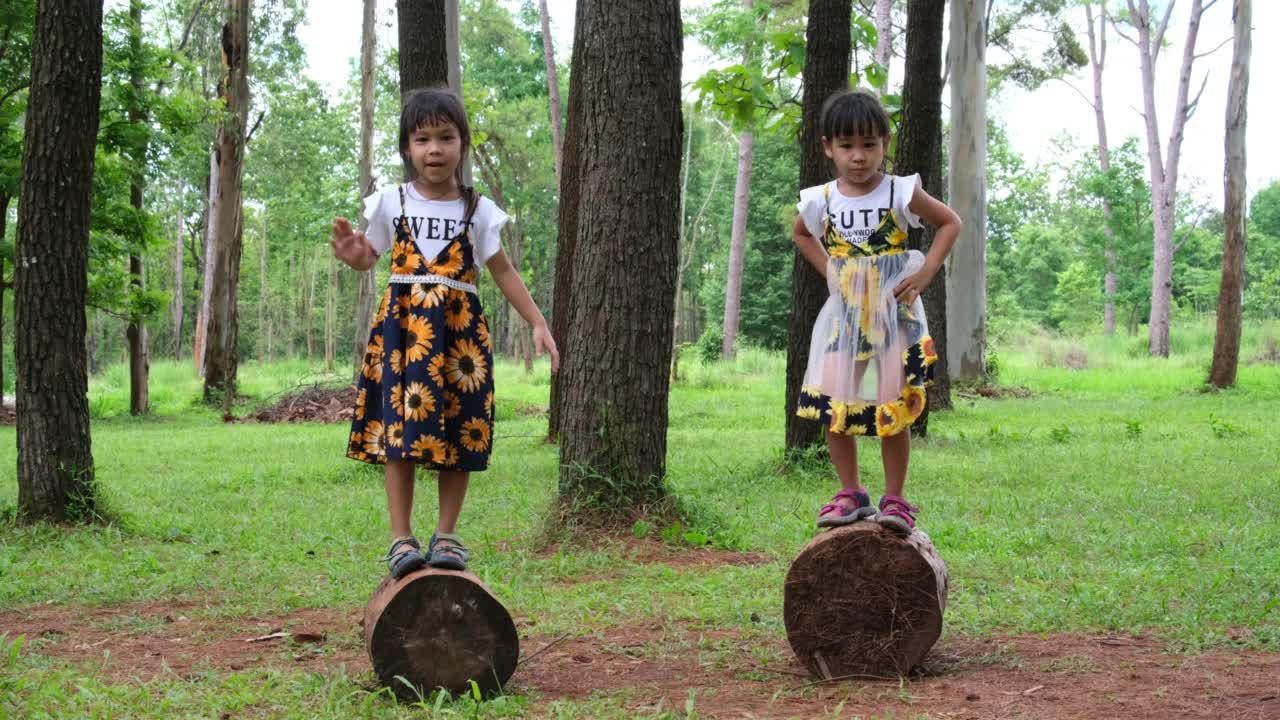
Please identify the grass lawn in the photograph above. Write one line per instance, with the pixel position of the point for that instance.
(1115, 501)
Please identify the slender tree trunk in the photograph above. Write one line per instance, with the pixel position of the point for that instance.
(884, 35)
(826, 70)
(330, 315)
(55, 461)
(738, 235)
(366, 292)
(178, 281)
(221, 360)
(1098, 61)
(681, 258)
(199, 343)
(308, 305)
(919, 143)
(262, 282)
(553, 84)
(1226, 344)
(136, 332)
(566, 239)
(966, 276)
(618, 348)
(4, 285)
(1164, 171)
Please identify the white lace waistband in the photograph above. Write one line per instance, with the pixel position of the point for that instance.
(432, 279)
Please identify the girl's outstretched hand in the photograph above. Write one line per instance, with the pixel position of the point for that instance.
(350, 245)
(542, 341)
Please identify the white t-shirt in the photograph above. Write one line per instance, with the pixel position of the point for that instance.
(855, 218)
(435, 223)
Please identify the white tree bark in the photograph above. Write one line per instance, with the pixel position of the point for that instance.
(967, 191)
(365, 290)
(1164, 170)
(884, 34)
(178, 266)
(1097, 61)
(1226, 344)
(738, 236)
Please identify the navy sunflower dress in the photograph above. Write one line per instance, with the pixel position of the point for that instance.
(870, 357)
(425, 391)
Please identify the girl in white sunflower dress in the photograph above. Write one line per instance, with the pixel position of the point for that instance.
(425, 391)
(870, 356)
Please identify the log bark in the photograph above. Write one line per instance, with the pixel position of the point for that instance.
(826, 70)
(861, 601)
(439, 629)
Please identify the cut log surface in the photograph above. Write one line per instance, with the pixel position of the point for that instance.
(861, 601)
(439, 629)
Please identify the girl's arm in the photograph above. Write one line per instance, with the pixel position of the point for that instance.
(947, 223)
(517, 294)
(809, 246)
(351, 246)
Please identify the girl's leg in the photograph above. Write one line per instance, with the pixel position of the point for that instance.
(895, 451)
(398, 477)
(453, 490)
(844, 454)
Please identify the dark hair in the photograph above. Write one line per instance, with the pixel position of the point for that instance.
(847, 113)
(433, 106)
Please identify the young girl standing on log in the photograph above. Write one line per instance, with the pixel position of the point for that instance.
(871, 356)
(425, 392)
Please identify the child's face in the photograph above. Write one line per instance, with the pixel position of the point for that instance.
(857, 158)
(435, 151)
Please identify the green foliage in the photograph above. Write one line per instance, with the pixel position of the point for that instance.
(1009, 26)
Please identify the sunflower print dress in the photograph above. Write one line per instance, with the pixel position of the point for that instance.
(425, 391)
(870, 357)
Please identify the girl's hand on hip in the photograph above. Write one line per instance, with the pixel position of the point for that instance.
(543, 342)
(912, 287)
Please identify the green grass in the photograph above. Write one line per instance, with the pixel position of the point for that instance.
(1117, 498)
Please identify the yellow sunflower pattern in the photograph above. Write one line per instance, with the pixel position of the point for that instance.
(425, 391)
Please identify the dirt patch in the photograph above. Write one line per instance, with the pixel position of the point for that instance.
(994, 392)
(649, 551)
(316, 403)
(731, 673)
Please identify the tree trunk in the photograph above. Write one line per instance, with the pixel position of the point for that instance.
(553, 84)
(566, 238)
(889, 594)
(136, 332)
(1164, 171)
(200, 342)
(1226, 344)
(826, 70)
(424, 51)
(1097, 61)
(4, 285)
(618, 348)
(738, 235)
(308, 304)
(262, 283)
(178, 282)
(919, 143)
(221, 360)
(439, 629)
(884, 35)
(966, 276)
(55, 462)
(365, 289)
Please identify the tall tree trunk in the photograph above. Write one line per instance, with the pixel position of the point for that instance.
(178, 282)
(308, 303)
(424, 48)
(214, 203)
(919, 143)
(221, 360)
(618, 348)
(966, 276)
(566, 237)
(55, 461)
(366, 292)
(330, 315)
(1226, 343)
(262, 285)
(139, 363)
(884, 35)
(1164, 171)
(1097, 62)
(738, 235)
(553, 84)
(4, 285)
(826, 70)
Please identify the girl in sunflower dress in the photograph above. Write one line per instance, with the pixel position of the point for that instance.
(425, 392)
(871, 357)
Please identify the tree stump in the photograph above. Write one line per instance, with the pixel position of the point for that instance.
(861, 601)
(439, 629)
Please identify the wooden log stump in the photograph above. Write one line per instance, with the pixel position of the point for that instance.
(439, 629)
(861, 601)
